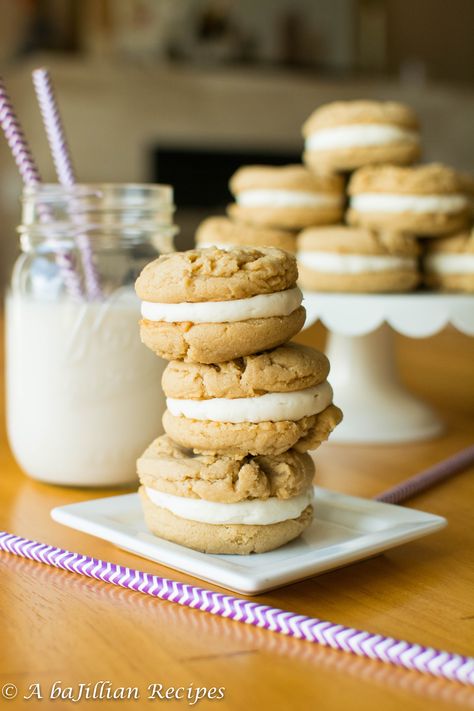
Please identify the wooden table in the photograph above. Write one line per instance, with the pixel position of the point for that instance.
(57, 626)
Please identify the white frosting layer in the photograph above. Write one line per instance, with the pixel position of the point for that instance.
(280, 303)
(333, 263)
(256, 512)
(271, 407)
(363, 134)
(450, 263)
(219, 245)
(287, 198)
(383, 202)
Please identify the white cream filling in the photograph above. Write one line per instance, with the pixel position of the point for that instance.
(383, 202)
(271, 407)
(333, 263)
(256, 512)
(353, 135)
(287, 198)
(280, 303)
(449, 263)
(219, 245)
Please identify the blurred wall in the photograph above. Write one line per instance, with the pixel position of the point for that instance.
(437, 36)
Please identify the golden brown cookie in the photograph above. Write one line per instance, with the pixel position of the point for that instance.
(285, 197)
(224, 233)
(345, 135)
(255, 438)
(263, 404)
(168, 467)
(448, 262)
(240, 539)
(216, 275)
(218, 342)
(283, 369)
(349, 259)
(425, 200)
(212, 305)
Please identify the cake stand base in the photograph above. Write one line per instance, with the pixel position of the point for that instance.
(361, 348)
(376, 406)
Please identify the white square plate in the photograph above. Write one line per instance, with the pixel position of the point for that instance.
(345, 529)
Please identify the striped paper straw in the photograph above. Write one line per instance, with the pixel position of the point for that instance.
(429, 477)
(64, 166)
(364, 644)
(31, 177)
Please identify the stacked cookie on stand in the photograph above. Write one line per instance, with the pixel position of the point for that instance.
(448, 262)
(393, 206)
(272, 204)
(244, 406)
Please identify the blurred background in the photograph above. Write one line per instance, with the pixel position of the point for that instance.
(185, 91)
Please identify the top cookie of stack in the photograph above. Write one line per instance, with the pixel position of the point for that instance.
(346, 135)
(212, 305)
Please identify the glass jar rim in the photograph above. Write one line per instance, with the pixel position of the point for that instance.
(105, 212)
(127, 195)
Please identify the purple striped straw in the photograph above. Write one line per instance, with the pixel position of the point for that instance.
(399, 653)
(64, 166)
(31, 177)
(428, 477)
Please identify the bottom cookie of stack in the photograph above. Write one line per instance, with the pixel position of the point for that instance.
(225, 504)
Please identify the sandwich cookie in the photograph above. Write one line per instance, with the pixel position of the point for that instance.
(448, 263)
(349, 134)
(425, 200)
(212, 305)
(225, 504)
(288, 197)
(349, 259)
(225, 234)
(262, 404)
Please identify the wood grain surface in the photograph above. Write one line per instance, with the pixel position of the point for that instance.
(59, 627)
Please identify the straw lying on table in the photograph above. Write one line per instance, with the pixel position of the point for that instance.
(31, 177)
(365, 644)
(427, 478)
(64, 167)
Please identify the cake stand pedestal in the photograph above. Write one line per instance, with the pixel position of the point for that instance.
(377, 408)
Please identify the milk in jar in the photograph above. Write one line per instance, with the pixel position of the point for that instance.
(84, 395)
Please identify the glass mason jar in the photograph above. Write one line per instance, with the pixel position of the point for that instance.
(83, 394)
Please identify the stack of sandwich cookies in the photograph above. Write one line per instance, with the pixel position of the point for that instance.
(226, 234)
(426, 200)
(346, 135)
(262, 404)
(212, 305)
(349, 259)
(448, 262)
(287, 197)
(232, 474)
(225, 503)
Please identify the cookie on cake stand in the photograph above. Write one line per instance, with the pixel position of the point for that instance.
(287, 197)
(345, 135)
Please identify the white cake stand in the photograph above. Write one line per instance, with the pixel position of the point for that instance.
(377, 408)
